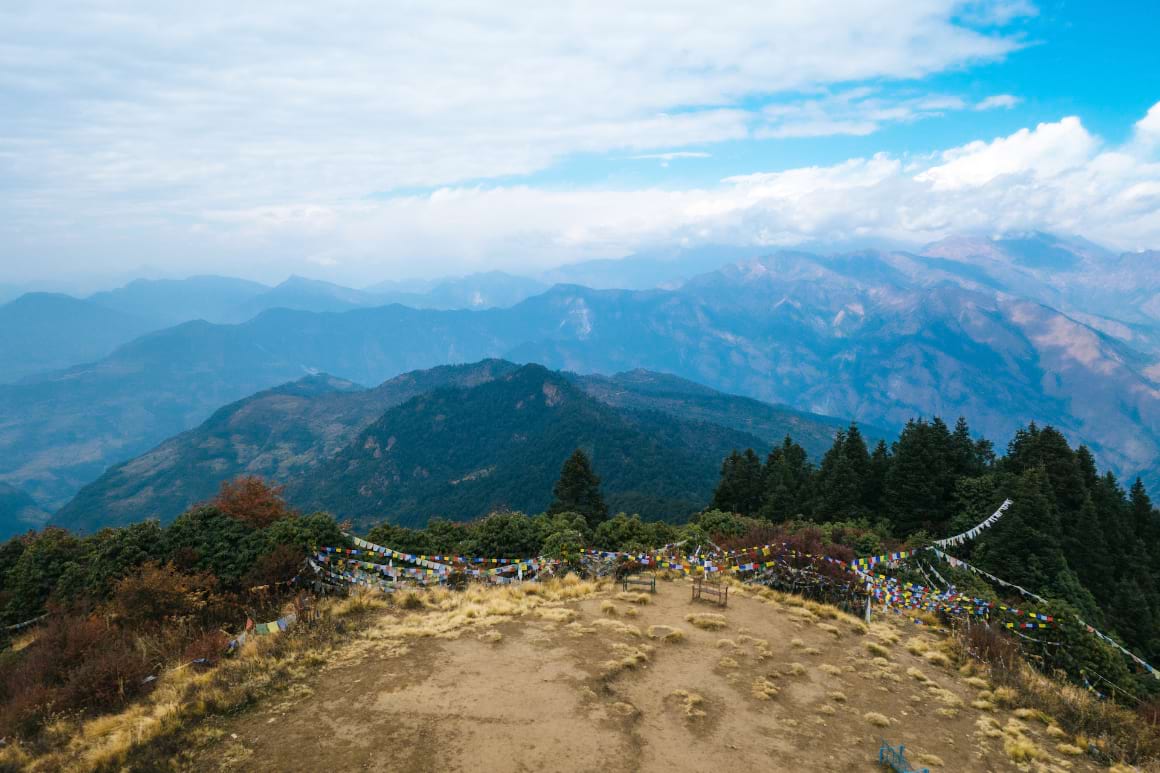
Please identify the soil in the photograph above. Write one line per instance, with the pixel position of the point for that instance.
(543, 698)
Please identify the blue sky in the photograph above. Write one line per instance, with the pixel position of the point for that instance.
(362, 142)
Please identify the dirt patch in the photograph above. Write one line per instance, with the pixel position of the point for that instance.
(542, 697)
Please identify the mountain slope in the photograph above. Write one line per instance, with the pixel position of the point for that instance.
(47, 331)
(289, 430)
(871, 336)
(173, 301)
(462, 453)
(18, 512)
(275, 434)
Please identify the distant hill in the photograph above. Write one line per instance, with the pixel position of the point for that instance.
(290, 430)
(462, 453)
(875, 336)
(47, 331)
(277, 433)
(173, 301)
(18, 512)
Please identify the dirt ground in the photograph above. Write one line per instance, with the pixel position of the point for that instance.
(572, 687)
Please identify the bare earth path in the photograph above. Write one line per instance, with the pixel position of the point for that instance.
(571, 688)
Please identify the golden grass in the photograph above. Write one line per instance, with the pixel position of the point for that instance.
(827, 709)
(633, 598)
(929, 759)
(557, 614)
(793, 669)
(608, 608)
(982, 705)
(914, 673)
(728, 662)
(936, 658)
(616, 627)
(876, 649)
(1070, 750)
(666, 633)
(709, 621)
(690, 703)
(763, 689)
(797, 644)
(491, 637)
(1022, 749)
(917, 646)
(947, 713)
(837, 696)
(827, 668)
(1055, 731)
(876, 719)
(988, 727)
(977, 683)
(1005, 696)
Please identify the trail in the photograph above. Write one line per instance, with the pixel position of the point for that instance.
(541, 698)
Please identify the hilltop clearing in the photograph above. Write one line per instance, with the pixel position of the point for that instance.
(509, 679)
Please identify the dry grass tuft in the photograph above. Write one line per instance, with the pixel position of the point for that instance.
(491, 637)
(793, 669)
(929, 759)
(608, 608)
(557, 614)
(728, 662)
(914, 673)
(623, 709)
(1055, 731)
(876, 649)
(947, 713)
(876, 719)
(1069, 749)
(937, 658)
(1005, 696)
(988, 727)
(797, 644)
(633, 598)
(917, 646)
(710, 621)
(982, 705)
(977, 683)
(666, 633)
(616, 627)
(631, 612)
(690, 703)
(827, 668)
(1020, 748)
(827, 709)
(837, 696)
(830, 629)
(763, 689)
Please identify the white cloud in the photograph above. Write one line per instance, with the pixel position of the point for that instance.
(1056, 176)
(997, 102)
(671, 156)
(854, 112)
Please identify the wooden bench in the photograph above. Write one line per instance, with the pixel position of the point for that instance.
(642, 580)
(713, 591)
(895, 759)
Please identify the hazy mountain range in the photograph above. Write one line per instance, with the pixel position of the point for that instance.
(1004, 331)
(503, 427)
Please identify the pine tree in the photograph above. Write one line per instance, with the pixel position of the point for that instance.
(842, 478)
(578, 491)
(741, 488)
(788, 478)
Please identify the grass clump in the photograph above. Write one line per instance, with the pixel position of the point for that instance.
(793, 669)
(828, 668)
(557, 614)
(690, 702)
(763, 689)
(608, 608)
(708, 621)
(936, 658)
(929, 759)
(616, 627)
(1071, 750)
(876, 719)
(633, 598)
(838, 697)
(876, 649)
(666, 633)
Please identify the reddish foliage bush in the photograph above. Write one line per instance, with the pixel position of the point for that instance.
(210, 646)
(76, 664)
(278, 566)
(251, 499)
(159, 593)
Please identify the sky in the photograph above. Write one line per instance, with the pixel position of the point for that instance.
(362, 141)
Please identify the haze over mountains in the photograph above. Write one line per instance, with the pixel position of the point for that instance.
(1004, 331)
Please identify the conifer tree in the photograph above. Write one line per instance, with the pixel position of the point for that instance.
(741, 488)
(788, 482)
(578, 491)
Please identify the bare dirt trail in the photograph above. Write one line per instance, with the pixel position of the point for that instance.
(574, 688)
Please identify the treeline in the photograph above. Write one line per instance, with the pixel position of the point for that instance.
(125, 603)
(1072, 534)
